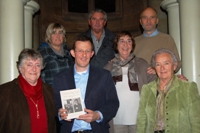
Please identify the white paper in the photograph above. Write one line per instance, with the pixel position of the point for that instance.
(71, 100)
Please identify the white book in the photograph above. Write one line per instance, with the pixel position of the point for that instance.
(71, 100)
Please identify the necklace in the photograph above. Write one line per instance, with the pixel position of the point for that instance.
(36, 106)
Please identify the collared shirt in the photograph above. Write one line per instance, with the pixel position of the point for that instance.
(97, 44)
(81, 79)
(152, 34)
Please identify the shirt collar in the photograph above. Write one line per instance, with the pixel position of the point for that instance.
(102, 36)
(152, 34)
(80, 73)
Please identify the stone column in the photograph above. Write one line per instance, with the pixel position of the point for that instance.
(162, 24)
(11, 37)
(30, 8)
(190, 31)
(172, 8)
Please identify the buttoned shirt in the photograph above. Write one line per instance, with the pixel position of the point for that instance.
(81, 79)
(97, 43)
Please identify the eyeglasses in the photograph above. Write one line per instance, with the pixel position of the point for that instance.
(82, 51)
(125, 41)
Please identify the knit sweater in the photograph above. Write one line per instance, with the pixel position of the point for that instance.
(146, 46)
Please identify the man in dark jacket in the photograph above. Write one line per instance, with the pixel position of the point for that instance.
(99, 97)
(102, 38)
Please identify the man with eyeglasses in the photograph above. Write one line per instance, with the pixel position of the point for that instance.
(102, 38)
(151, 39)
(99, 96)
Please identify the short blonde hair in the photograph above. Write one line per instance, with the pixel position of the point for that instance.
(52, 27)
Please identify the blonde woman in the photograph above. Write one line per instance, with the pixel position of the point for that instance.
(55, 52)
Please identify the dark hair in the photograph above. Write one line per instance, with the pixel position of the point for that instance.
(121, 34)
(83, 38)
(27, 54)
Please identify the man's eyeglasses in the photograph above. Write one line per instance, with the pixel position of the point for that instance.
(125, 41)
(83, 51)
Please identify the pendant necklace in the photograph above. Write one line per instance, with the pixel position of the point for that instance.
(36, 106)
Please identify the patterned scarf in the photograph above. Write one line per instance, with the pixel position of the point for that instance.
(160, 106)
(117, 70)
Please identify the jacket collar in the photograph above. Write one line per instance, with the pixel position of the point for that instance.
(174, 86)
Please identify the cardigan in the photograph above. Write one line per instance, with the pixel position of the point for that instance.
(141, 70)
(14, 108)
(140, 67)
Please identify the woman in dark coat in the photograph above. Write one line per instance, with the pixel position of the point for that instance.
(26, 103)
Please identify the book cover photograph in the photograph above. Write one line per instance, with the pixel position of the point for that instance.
(71, 100)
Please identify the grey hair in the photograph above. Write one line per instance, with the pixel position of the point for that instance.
(160, 51)
(27, 54)
(98, 10)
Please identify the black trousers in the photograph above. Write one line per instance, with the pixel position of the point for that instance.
(85, 131)
(159, 131)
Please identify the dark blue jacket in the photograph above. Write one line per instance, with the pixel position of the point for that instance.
(105, 52)
(100, 95)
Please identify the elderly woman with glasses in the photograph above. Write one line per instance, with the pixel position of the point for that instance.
(129, 74)
(168, 104)
(26, 103)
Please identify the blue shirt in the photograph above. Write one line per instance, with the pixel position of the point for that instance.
(152, 34)
(81, 79)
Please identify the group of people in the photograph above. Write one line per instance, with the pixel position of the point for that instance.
(121, 92)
